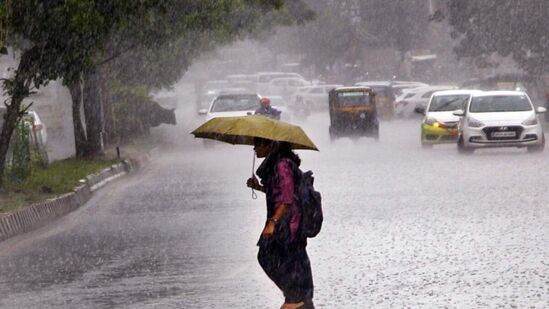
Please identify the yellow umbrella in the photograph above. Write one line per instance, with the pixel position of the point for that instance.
(243, 130)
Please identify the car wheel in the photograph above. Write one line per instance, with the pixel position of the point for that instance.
(538, 148)
(462, 148)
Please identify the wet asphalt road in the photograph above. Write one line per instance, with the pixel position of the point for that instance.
(404, 227)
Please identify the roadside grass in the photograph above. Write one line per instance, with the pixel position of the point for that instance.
(58, 178)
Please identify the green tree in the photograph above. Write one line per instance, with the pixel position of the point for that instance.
(504, 27)
(163, 62)
(344, 30)
(70, 39)
(55, 39)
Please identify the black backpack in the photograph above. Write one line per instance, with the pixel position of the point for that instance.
(310, 202)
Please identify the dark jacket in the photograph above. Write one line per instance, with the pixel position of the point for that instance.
(268, 112)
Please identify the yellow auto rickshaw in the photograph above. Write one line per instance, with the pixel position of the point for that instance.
(353, 112)
(385, 97)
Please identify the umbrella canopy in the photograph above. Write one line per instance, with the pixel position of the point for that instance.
(243, 130)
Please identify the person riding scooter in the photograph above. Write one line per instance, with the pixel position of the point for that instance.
(267, 110)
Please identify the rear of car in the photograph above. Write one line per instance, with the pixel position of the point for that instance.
(440, 125)
(500, 119)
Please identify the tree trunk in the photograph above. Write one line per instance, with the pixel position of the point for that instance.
(80, 140)
(109, 137)
(93, 110)
(19, 90)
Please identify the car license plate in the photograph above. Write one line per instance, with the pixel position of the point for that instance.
(504, 134)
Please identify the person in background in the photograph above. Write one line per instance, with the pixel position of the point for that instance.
(267, 110)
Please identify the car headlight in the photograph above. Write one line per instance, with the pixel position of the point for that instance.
(431, 121)
(473, 123)
(530, 122)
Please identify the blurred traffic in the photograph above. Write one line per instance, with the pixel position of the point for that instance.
(446, 112)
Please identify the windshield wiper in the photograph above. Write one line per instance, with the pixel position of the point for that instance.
(441, 107)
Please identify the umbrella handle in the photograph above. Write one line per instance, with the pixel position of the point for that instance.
(254, 195)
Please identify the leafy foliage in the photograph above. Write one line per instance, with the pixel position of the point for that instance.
(504, 27)
(67, 38)
(343, 30)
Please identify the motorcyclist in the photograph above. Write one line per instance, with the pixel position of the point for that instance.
(267, 110)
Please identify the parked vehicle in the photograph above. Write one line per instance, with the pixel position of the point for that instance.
(500, 119)
(353, 112)
(440, 125)
(38, 128)
(38, 131)
(37, 137)
(411, 98)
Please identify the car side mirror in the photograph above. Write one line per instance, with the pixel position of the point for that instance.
(459, 113)
(202, 111)
(541, 110)
(420, 110)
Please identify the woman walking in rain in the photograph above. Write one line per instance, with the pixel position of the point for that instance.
(282, 250)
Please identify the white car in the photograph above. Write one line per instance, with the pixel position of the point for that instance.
(233, 105)
(38, 134)
(401, 86)
(440, 124)
(262, 79)
(411, 98)
(313, 98)
(286, 86)
(39, 128)
(500, 119)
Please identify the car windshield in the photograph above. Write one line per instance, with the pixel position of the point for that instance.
(233, 103)
(500, 103)
(353, 98)
(446, 103)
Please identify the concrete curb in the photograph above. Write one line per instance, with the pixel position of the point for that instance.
(40, 214)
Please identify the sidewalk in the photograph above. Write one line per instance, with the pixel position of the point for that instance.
(20, 219)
